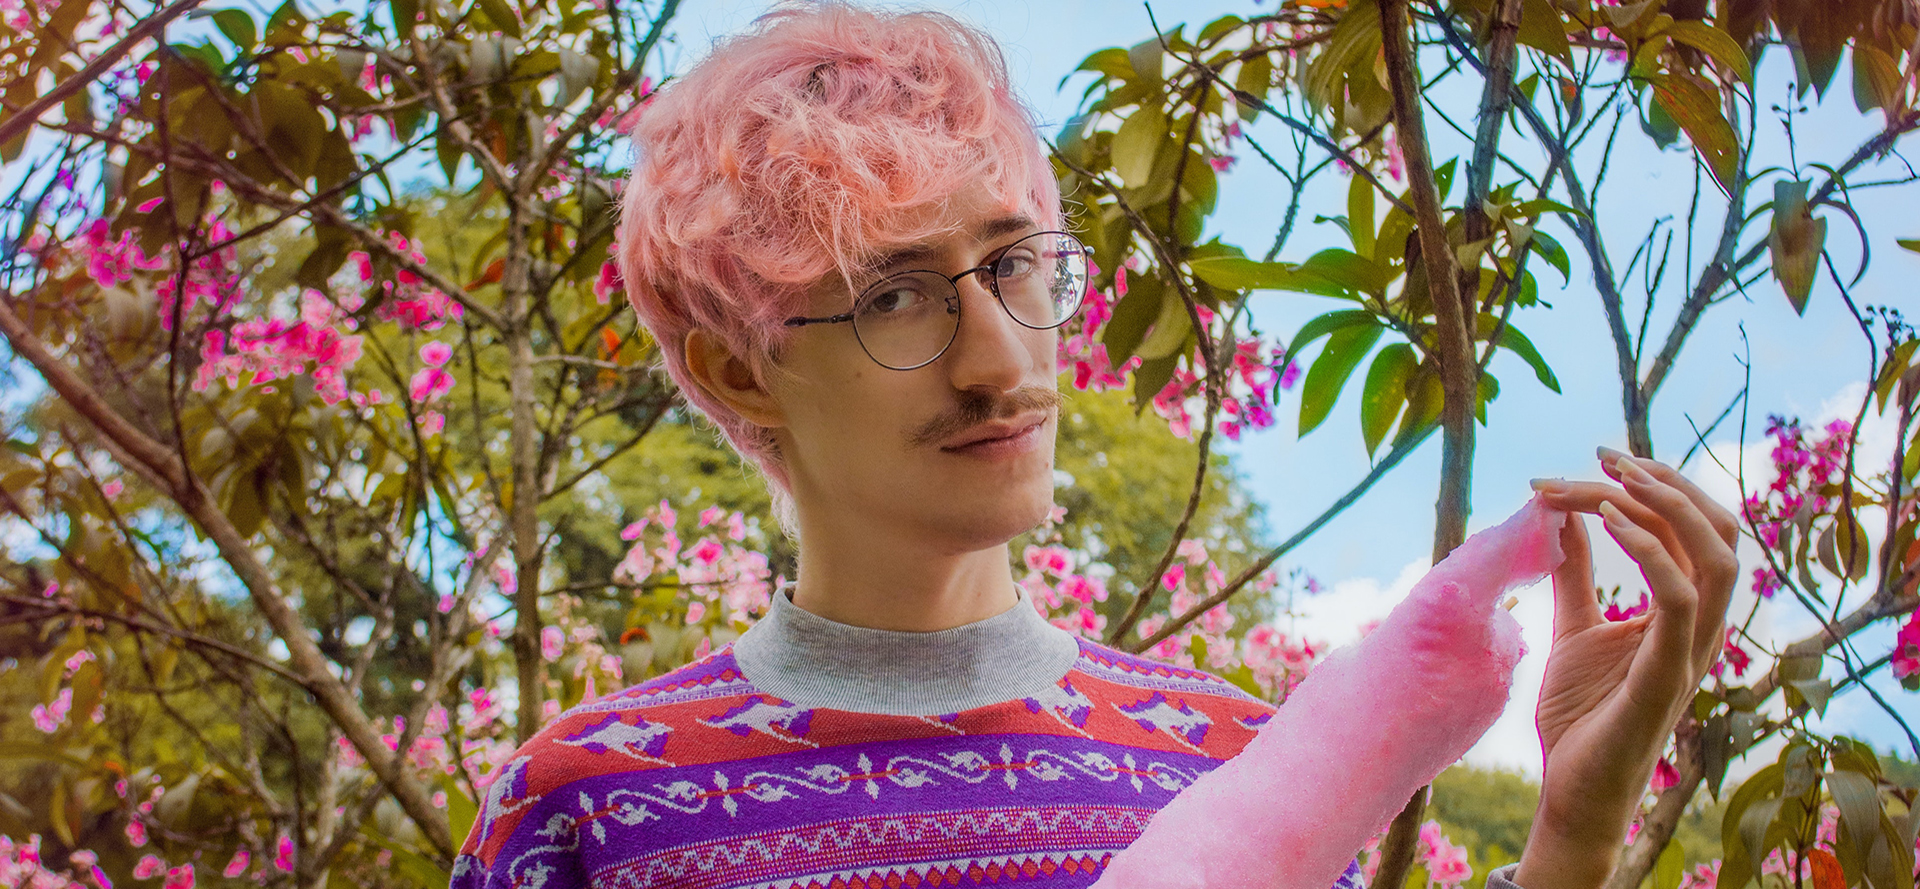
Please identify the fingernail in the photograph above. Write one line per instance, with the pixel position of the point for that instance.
(1633, 470)
(1610, 456)
(1608, 510)
(1549, 485)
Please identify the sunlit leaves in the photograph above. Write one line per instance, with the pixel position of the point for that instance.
(1696, 108)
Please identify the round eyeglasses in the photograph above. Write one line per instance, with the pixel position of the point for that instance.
(908, 320)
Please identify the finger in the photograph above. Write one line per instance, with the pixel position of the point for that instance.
(1662, 669)
(1724, 522)
(1587, 497)
(1574, 606)
(1715, 570)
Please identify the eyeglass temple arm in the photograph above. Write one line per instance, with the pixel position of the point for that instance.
(799, 321)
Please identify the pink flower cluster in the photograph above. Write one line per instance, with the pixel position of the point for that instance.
(1276, 661)
(406, 299)
(111, 263)
(716, 572)
(20, 866)
(1445, 863)
(268, 349)
(1062, 593)
(1251, 380)
(1804, 469)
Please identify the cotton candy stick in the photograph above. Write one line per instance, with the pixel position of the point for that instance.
(1369, 726)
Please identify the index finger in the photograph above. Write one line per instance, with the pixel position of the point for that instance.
(1724, 523)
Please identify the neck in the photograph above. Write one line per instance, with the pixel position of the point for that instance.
(884, 577)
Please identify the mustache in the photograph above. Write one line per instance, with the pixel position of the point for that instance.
(974, 407)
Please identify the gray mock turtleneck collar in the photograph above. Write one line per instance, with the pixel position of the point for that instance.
(811, 661)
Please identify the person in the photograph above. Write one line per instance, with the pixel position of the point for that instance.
(845, 235)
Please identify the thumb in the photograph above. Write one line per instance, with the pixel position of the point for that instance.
(1574, 605)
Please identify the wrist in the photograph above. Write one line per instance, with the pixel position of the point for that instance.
(1558, 856)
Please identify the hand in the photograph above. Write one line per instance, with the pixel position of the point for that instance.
(1614, 690)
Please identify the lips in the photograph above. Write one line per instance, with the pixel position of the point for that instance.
(998, 437)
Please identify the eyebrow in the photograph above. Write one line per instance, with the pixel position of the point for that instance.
(912, 253)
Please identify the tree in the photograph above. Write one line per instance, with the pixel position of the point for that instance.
(1441, 283)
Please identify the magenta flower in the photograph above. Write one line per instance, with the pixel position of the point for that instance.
(436, 353)
(237, 866)
(148, 867)
(283, 854)
(429, 384)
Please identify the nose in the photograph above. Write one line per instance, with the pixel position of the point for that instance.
(990, 350)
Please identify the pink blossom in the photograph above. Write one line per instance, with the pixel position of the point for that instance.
(1664, 776)
(112, 488)
(1221, 163)
(435, 353)
(608, 283)
(429, 384)
(703, 649)
(1175, 576)
(238, 865)
(1906, 648)
(550, 641)
(49, 717)
(695, 612)
(283, 854)
(446, 603)
(632, 532)
(148, 868)
(432, 423)
(1615, 612)
(736, 527)
(710, 515)
(708, 551)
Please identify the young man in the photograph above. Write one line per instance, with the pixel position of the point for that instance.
(844, 234)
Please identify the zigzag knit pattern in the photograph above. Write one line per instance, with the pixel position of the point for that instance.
(698, 780)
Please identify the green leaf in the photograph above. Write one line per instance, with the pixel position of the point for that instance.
(1385, 392)
(1859, 803)
(1219, 27)
(1355, 41)
(1111, 62)
(1347, 270)
(405, 13)
(1319, 327)
(1717, 44)
(1329, 373)
(1660, 126)
(1360, 207)
(1151, 377)
(1551, 251)
(1169, 332)
(1697, 109)
(1146, 59)
(1670, 867)
(502, 16)
(1795, 242)
(1132, 315)
(1912, 244)
(1541, 28)
(1229, 272)
(1137, 145)
(1516, 342)
(1254, 79)
(237, 26)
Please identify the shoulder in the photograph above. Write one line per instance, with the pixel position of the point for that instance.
(614, 737)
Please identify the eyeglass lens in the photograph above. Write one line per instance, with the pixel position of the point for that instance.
(906, 321)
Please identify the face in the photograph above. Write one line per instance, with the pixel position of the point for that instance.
(958, 453)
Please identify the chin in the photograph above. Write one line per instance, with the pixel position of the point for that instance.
(993, 515)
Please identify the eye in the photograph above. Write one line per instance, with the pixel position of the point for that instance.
(894, 298)
(1017, 263)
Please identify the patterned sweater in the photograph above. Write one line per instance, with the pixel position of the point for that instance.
(814, 755)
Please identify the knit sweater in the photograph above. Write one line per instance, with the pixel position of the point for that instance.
(810, 754)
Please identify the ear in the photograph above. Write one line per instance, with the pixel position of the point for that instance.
(730, 380)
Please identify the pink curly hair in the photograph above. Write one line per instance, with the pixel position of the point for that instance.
(799, 149)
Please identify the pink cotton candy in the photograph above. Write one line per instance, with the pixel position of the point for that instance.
(1367, 728)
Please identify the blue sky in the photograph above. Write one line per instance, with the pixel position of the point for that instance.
(1802, 366)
